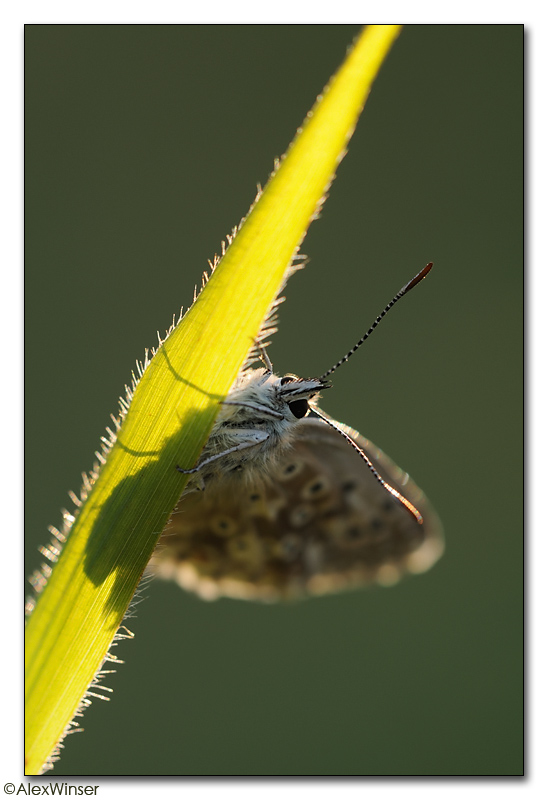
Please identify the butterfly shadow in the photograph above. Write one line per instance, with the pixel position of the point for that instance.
(108, 544)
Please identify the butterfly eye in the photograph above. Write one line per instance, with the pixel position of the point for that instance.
(299, 408)
(287, 379)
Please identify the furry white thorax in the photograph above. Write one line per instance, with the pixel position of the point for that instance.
(256, 423)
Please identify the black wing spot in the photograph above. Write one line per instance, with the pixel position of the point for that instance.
(317, 487)
(288, 469)
(223, 525)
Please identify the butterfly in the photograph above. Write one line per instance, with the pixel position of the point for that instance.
(285, 502)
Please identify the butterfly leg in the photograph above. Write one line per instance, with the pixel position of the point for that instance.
(264, 358)
(255, 438)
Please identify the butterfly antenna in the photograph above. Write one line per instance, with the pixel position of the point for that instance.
(407, 288)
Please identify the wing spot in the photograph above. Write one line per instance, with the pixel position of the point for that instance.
(223, 526)
(300, 515)
(388, 575)
(247, 549)
(289, 469)
(317, 487)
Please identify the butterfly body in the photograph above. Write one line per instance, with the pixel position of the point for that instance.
(281, 505)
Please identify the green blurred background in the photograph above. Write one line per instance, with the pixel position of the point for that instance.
(144, 145)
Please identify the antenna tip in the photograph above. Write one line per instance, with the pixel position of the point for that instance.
(418, 278)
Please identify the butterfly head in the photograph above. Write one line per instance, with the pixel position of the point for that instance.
(298, 392)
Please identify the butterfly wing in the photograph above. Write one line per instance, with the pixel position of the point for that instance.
(320, 523)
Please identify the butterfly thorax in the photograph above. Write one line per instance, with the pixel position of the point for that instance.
(257, 422)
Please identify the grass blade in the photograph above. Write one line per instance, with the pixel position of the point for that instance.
(173, 407)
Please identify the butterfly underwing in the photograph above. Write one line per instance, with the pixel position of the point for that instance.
(285, 502)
